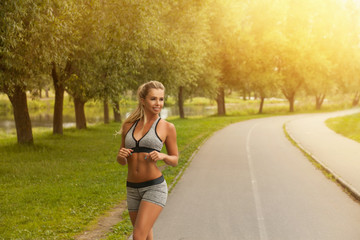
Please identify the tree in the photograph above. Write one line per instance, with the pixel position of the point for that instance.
(293, 49)
(347, 56)
(324, 22)
(62, 39)
(22, 56)
(227, 23)
(262, 43)
(78, 84)
(177, 53)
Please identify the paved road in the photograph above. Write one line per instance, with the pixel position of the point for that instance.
(249, 182)
(337, 153)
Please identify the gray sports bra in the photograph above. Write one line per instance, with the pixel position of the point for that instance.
(148, 143)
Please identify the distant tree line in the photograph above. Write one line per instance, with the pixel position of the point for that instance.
(98, 49)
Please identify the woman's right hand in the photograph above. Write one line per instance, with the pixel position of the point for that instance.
(125, 152)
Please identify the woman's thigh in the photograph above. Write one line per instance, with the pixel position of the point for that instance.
(146, 216)
(133, 215)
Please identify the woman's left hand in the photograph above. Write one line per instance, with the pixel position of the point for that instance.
(154, 156)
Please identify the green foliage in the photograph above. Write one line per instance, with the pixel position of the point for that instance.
(33, 35)
(261, 46)
(20, 27)
(288, 46)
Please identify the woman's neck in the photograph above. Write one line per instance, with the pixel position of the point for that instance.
(151, 117)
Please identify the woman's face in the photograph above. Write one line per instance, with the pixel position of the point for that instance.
(154, 101)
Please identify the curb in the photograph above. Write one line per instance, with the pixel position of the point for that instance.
(179, 175)
(344, 184)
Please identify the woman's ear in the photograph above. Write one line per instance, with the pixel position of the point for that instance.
(142, 100)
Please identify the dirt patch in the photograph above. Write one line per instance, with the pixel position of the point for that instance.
(104, 224)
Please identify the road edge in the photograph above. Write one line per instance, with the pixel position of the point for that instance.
(330, 174)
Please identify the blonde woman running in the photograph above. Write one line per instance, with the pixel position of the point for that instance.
(143, 136)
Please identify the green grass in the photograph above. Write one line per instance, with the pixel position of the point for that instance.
(122, 230)
(53, 189)
(348, 126)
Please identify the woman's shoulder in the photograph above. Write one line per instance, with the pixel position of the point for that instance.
(168, 125)
(126, 126)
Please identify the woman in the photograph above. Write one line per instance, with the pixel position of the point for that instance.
(143, 135)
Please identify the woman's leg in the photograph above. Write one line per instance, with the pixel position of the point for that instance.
(150, 235)
(145, 219)
(133, 215)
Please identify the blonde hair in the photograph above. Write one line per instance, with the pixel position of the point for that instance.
(142, 92)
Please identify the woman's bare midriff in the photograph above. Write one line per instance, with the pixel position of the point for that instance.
(141, 169)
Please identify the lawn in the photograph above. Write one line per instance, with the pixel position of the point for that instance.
(348, 126)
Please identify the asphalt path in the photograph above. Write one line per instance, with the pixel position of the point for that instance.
(248, 181)
(338, 154)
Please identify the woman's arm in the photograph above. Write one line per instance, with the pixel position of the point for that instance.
(172, 156)
(123, 152)
(171, 146)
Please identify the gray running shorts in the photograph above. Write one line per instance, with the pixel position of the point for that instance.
(156, 193)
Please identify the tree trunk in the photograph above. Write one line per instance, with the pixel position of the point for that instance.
(181, 102)
(290, 96)
(356, 99)
(319, 101)
(106, 112)
(47, 92)
(220, 99)
(21, 115)
(291, 100)
(116, 109)
(80, 113)
(261, 104)
(59, 102)
(244, 94)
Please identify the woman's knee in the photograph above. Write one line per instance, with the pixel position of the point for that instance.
(139, 234)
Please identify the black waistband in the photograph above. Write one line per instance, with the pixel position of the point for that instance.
(147, 183)
(143, 149)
